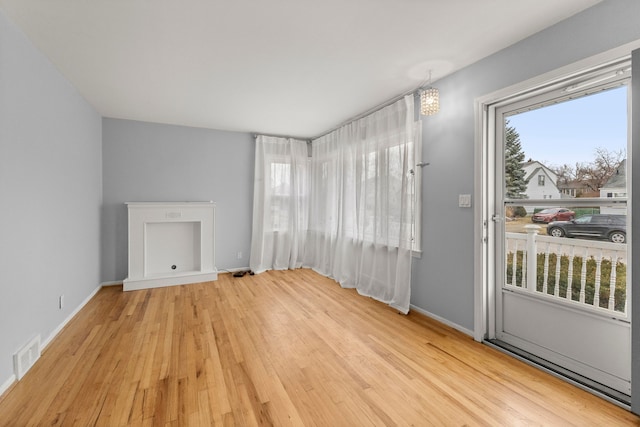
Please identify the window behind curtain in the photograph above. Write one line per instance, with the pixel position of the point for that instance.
(280, 185)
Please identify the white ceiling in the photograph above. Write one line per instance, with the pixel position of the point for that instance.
(284, 67)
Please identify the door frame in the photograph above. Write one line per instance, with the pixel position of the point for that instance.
(484, 162)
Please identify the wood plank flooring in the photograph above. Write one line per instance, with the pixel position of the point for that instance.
(281, 348)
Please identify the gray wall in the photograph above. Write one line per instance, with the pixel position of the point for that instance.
(147, 162)
(51, 190)
(443, 278)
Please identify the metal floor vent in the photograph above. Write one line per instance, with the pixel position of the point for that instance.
(26, 357)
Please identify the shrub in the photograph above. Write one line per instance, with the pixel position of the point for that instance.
(516, 211)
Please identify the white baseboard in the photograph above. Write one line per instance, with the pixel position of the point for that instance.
(114, 283)
(56, 331)
(443, 320)
(221, 271)
(8, 383)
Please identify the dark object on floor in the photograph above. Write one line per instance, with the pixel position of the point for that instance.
(239, 273)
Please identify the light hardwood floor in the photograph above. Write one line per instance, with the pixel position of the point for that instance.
(281, 348)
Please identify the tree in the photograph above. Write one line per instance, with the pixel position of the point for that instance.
(515, 184)
(595, 175)
(565, 173)
(592, 175)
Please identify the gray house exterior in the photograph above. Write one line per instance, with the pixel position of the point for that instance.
(616, 186)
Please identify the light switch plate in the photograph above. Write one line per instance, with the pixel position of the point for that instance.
(464, 200)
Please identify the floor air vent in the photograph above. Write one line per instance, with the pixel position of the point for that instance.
(25, 358)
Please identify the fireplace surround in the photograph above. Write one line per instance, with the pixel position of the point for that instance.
(170, 244)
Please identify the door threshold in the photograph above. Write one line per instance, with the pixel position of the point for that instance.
(614, 396)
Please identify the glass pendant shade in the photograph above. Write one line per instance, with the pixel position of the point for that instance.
(429, 101)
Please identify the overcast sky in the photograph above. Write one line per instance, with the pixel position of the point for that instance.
(570, 132)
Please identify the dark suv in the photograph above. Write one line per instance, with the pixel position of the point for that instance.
(603, 226)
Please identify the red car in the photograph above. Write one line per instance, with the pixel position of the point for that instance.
(553, 214)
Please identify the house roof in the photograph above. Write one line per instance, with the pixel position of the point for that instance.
(535, 166)
(619, 178)
(578, 185)
(284, 67)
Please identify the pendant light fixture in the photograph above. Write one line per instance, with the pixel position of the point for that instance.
(429, 99)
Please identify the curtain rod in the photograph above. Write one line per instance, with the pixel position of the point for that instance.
(307, 140)
(373, 110)
(357, 117)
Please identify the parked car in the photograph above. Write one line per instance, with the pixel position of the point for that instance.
(610, 227)
(553, 214)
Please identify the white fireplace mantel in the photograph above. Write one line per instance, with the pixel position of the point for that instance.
(170, 244)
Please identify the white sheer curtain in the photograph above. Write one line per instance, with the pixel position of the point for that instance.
(360, 219)
(280, 204)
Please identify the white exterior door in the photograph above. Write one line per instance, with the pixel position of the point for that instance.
(560, 256)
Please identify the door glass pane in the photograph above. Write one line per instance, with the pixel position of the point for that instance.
(570, 149)
(559, 153)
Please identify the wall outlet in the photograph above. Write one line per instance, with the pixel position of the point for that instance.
(61, 302)
(239, 255)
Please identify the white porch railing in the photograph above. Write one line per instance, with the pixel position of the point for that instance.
(586, 272)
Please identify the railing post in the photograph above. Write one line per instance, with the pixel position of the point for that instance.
(532, 256)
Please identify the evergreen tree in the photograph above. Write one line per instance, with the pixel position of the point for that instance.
(513, 158)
